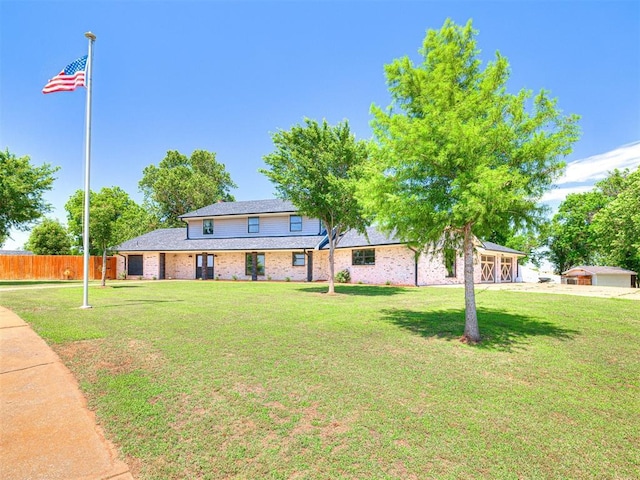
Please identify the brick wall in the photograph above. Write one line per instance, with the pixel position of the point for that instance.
(180, 265)
(393, 264)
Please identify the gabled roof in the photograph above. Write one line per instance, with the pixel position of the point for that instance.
(175, 240)
(353, 239)
(494, 247)
(248, 207)
(595, 270)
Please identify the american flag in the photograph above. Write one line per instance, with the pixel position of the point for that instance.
(68, 79)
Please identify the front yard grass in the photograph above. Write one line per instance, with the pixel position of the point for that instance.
(278, 380)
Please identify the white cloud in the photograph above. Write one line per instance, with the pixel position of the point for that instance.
(581, 175)
(597, 167)
(559, 194)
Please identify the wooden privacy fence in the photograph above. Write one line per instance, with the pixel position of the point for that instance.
(53, 267)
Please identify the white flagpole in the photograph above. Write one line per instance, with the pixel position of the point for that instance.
(87, 163)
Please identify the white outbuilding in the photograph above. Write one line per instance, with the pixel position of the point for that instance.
(600, 276)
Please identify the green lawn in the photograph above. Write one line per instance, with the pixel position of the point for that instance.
(277, 380)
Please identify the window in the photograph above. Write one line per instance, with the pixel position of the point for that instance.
(254, 224)
(248, 269)
(298, 259)
(207, 227)
(135, 265)
(363, 257)
(450, 262)
(295, 224)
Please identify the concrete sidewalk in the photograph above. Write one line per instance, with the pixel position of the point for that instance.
(46, 430)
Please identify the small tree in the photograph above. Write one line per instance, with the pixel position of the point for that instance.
(113, 218)
(316, 168)
(50, 237)
(22, 187)
(181, 184)
(457, 156)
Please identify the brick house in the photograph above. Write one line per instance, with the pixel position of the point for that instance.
(229, 238)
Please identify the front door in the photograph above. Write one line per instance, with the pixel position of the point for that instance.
(309, 266)
(209, 266)
(161, 273)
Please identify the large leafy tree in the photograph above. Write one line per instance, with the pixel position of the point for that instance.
(22, 186)
(570, 235)
(575, 238)
(315, 166)
(617, 225)
(50, 237)
(458, 156)
(113, 218)
(181, 184)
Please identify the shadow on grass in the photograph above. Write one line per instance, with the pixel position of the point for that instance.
(123, 286)
(364, 290)
(499, 330)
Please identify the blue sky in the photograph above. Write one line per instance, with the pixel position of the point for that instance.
(223, 76)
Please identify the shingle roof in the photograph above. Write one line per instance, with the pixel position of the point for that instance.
(494, 247)
(15, 252)
(175, 239)
(593, 269)
(248, 207)
(353, 239)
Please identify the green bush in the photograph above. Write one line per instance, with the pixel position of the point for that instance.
(343, 276)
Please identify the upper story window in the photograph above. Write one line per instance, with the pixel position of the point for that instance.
(450, 262)
(295, 223)
(207, 227)
(363, 257)
(254, 225)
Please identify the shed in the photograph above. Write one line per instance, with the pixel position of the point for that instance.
(600, 276)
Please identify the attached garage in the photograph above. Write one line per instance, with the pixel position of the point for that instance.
(600, 276)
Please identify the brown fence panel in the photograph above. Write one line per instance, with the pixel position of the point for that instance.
(53, 267)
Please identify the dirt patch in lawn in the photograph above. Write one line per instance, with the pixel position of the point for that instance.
(93, 356)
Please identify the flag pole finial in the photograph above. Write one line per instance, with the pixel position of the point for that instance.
(90, 35)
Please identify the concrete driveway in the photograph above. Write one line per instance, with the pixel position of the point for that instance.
(560, 289)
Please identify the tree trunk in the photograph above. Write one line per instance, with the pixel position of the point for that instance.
(332, 289)
(471, 330)
(104, 267)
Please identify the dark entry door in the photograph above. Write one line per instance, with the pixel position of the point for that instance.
(309, 266)
(161, 273)
(209, 266)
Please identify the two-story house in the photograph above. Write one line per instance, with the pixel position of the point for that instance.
(269, 239)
